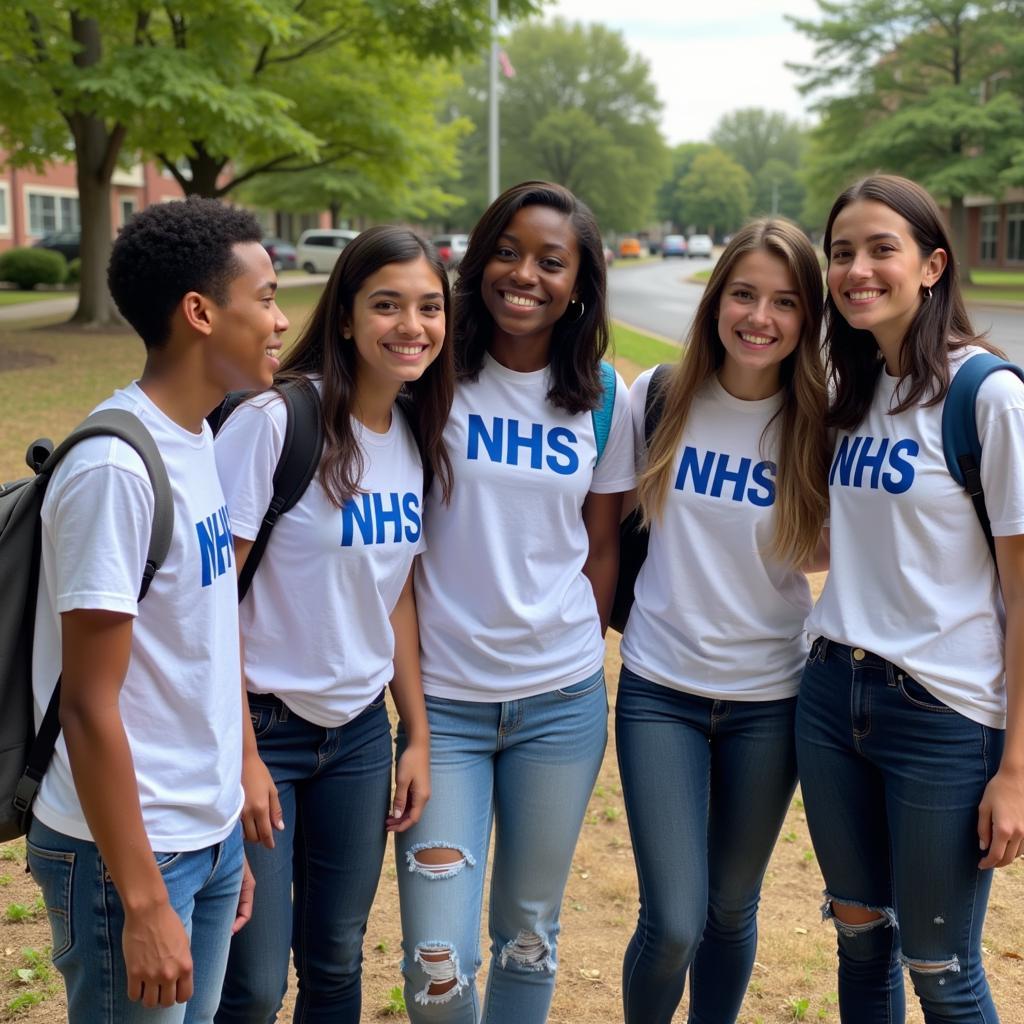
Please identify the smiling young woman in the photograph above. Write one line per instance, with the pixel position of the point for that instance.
(910, 721)
(734, 490)
(513, 593)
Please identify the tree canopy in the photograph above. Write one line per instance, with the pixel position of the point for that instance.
(581, 110)
(714, 195)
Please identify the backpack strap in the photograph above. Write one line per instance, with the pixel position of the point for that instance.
(129, 428)
(960, 442)
(300, 456)
(603, 416)
(654, 404)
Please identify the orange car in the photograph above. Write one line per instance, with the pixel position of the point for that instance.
(630, 247)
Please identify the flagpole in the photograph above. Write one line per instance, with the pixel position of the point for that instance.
(492, 147)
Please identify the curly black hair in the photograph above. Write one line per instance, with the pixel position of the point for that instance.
(169, 249)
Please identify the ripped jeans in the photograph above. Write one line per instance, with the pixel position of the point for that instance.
(529, 765)
(891, 780)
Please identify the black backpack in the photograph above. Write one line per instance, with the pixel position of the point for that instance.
(24, 754)
(296, 466)
(634, 537)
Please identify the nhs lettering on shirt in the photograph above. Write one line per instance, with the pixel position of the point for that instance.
(215, 548)
(381, 518)
(509, 442)
(865, 461)
(719, 474)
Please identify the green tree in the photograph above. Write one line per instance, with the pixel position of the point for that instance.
(911, 87)
(753, 136)
(715, 193)
(581, 110)
(227, 89)
(668, 205)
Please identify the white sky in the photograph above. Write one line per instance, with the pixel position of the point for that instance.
(708, 57)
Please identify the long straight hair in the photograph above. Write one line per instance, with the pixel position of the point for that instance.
(941, 324)
(577, 345)
(801, 486)
(322, 350)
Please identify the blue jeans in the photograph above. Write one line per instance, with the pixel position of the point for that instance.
(706, 784)
(891, 780)
(314, 889)
(530, 765)
(87, 920)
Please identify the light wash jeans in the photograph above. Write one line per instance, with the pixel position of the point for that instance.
(87, 919)
(528, 765)
(707, 784)
(314, 889)
(891, 779)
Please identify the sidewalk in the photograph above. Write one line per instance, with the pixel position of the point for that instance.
(65, 304)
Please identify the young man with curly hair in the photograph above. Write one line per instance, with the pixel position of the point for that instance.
(136, 841)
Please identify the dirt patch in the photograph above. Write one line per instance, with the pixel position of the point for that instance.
(22, 359)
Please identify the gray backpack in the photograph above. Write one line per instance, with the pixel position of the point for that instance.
(24, 754)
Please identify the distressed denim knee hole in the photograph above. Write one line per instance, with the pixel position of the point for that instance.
(445, 860)
(440, 963)
(528, 951)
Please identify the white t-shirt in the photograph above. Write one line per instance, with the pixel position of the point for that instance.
(714, 614)
(315, 623)
(912, 578)
(504, 608)
(181, 698)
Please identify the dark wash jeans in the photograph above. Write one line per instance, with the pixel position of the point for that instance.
(891, 780)
(315, 888)
(707, 784)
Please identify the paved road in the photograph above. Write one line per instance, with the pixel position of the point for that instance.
(657, 298)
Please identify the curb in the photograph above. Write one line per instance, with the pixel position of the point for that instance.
(650, 334)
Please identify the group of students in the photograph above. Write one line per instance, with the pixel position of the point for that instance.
(459, 544)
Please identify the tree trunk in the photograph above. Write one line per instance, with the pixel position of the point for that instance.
(205, 172)
(335, 209)
(96, 150)
(958, 229)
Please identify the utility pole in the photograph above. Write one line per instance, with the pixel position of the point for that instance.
(492, 147)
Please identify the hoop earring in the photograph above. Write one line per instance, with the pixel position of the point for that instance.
(927, 293)
(579, 316)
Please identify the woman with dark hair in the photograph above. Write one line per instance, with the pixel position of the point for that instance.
(910, 720)
(734, 490)
(330, 621)
(514, 594)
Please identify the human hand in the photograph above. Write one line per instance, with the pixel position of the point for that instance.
(1001, 819)
(157, 957)
(412, 787)
(261, 811)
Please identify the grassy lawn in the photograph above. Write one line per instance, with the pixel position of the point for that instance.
(11, 297)
(639, 348)
(995, 286)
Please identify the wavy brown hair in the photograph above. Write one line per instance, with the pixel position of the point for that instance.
(577, 346)
(940, 326)
(321, 350)
(801, 486)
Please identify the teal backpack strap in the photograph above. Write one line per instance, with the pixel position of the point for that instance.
(960, 442)
(603, 415)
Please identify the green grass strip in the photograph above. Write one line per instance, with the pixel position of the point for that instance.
(641, 348)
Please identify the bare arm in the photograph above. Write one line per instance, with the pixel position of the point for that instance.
(95, 650)
(601, 515)
(412, 773)
(1001, 813)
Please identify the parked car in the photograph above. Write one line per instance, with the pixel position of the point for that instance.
(318, 250)
(630, 248)
(673, 245)
(67, 243)
(699, 245)
(281, 253)
(451, 249)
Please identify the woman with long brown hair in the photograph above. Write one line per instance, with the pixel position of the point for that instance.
(330, 621)
(910, 723)
(733, 488)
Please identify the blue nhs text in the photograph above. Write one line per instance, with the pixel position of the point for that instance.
(865, 461)
(717, 473)
(381, 518)
(215, 545)
(515, 445)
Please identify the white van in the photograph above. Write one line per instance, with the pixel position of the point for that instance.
(318, 250)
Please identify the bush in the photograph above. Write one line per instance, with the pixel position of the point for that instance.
(74, 271)
(25, 268)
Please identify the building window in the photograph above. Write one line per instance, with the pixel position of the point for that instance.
(47, 213)
(1015, 232)
(127, 209)
(5, 210)
(989, 233)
